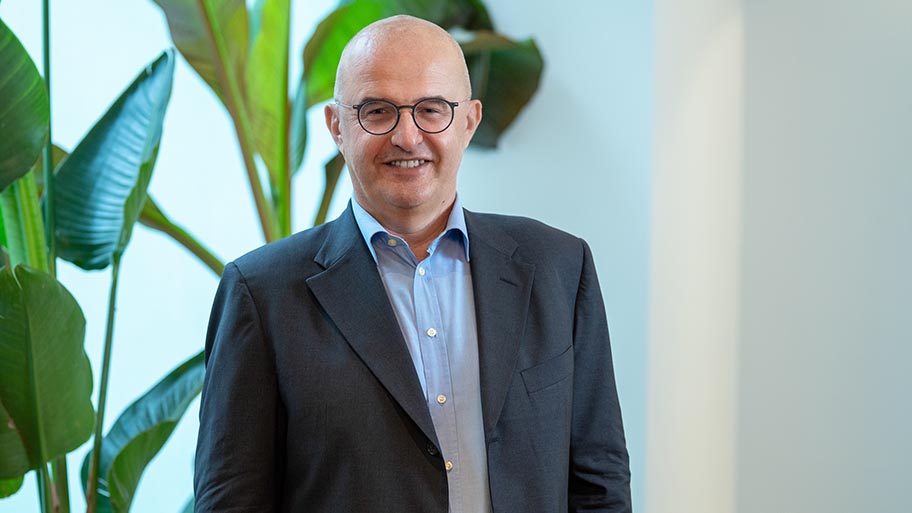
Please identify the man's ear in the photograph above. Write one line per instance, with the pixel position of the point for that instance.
(332, 123)
(473, 119)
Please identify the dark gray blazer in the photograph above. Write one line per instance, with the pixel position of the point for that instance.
(312, 405)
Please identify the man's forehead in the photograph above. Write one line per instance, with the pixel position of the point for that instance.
(403, 77)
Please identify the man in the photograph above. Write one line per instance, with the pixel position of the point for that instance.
(410, 356)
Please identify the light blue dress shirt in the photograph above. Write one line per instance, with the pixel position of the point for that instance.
(435, 308)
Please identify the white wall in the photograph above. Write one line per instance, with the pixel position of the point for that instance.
(694, 307)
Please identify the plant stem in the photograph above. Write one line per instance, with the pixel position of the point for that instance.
(49, 152)
(333, 170)
(234, 102)
(45, 499)
(92, 481)
(161, 223)
(61, 484)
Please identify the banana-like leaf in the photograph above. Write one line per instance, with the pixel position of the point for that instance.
(45, 377)
(213, 36)
(3, 239)
(505, 75)
(140, 432)
(323, 50)
(298, 128)
(267, 89)
(101, 186)
(14, 460)
(9, 487)
(14, 240)
(24, 109)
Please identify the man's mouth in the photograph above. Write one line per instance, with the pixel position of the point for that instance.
(408, 164)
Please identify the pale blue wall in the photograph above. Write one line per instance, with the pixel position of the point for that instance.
(580, 167)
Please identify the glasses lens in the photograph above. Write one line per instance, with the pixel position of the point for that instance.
(378, 117)
(433, 115)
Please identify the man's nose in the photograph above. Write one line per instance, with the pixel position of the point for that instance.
(406, 134)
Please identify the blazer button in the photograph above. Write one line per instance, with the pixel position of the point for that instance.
(431, 450)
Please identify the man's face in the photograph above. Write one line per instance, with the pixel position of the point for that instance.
(406, 171)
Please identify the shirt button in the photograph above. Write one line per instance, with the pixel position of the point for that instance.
(431, 332)
(448, 465)
(431, 450)
(421, 271)
(441, 399)
(391, 242)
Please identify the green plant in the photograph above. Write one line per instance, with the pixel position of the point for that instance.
(93, 196)
(92, 200)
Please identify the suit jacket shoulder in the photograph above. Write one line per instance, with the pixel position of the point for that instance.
(527, 240)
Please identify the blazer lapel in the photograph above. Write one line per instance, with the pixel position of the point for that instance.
(352, 293)
(502, 288)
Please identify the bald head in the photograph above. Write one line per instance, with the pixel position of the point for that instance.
(401, 39)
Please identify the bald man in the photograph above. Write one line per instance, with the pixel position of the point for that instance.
(410, 356)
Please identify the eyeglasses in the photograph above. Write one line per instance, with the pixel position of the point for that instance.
(379, 117)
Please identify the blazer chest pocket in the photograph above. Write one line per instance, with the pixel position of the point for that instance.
(548, 373)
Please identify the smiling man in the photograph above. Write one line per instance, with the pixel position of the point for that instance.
(410, 356)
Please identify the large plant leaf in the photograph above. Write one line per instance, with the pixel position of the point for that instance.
(140, 432)
(323, 50)
(45, 377)
(14, 460)
(267, 88)
(213, 36)
(23, 109)
(505, 74)
(101, 186)
(9, 487)
(298, 128)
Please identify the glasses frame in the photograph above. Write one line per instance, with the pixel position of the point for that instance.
(398, 108)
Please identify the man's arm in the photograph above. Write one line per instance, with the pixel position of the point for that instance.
(599, 466)
(237, 445)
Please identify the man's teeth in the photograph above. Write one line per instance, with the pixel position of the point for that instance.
(407, 163)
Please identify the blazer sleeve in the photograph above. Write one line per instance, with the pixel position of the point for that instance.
(599, 464)
(236, 463)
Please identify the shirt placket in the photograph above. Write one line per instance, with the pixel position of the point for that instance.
(439, 394)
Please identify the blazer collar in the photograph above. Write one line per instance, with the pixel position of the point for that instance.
(502, 286)
(352, 293)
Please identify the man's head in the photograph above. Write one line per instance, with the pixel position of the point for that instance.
(406, 173)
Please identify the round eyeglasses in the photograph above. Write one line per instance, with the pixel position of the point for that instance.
(379, 117)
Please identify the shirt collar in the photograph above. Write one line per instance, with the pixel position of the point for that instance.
(370, 226)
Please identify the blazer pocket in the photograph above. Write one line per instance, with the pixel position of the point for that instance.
(548, 373)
